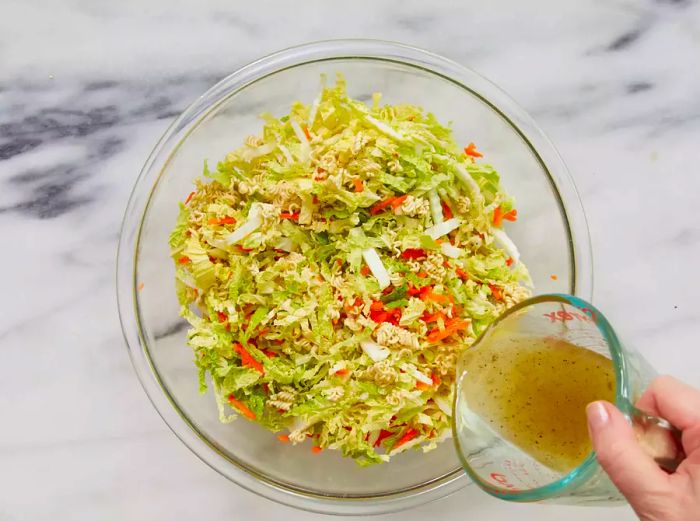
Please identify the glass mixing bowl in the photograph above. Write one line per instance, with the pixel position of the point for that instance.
(551, 233)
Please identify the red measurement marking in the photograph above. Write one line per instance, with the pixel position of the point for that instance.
(565, 316)
(502, 480)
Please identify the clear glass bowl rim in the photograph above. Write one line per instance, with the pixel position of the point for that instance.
(173, 138)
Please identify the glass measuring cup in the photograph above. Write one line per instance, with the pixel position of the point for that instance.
(509, 472)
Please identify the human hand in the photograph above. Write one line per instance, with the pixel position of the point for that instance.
(653, 494)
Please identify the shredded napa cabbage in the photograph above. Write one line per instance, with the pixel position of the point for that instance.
(334, 267)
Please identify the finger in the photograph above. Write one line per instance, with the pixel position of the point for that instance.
(672, 400)
(634, 473)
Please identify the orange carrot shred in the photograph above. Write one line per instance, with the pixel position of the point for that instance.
(461, 273)
(453, 326)
(436, 297)
(498, 216)
(365, 270)
(408, 436)
(306, 132)
(496, 292)
(509, 261)
(184, 260)
(222, 220)
(283, 438)
(511, 216)
(316, 449)
(244, 410)
(359, 187)
(189, 197)
(290, 215)
(394, 202)
(447, 212)
(398, 201)
(247, 359)
(141, 286)
(423, 386)
(471, 151)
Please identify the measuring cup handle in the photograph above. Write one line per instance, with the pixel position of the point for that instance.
(659, 439)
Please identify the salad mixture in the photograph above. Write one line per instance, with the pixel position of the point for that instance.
(334, 267)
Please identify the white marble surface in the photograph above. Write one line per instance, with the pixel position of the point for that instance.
(87, 87)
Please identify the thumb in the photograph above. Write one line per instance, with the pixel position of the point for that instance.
(634, 472)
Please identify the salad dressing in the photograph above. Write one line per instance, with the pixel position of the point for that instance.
(534, 393)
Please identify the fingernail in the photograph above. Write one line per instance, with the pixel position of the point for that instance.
(597, 415)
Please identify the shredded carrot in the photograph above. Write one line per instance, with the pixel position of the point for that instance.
(342, 372)
(283, 438)
(189, 197)
(394, 202)
(471, 151)
(436, 297)
(140, 286)
(247, 359)
(496, 292)
(553, 277)
(241, 407)
(264, 331)
(380, 316)
(421, 275)
(412, 290)
(221, 316)
(408, 436)
(269, 354)
(222, 220)
(423, 386)
(424, 290)
(306, 132)
(377, 208)
(455, 325)
(509, 261)
(358, 185)
(413, 253)
(316, 449)
(436, 379)
(446, 211)
(398, 201)
(382, 435)
(498, 216)
(290, 215)
(377, 305)
(365, 270)
(433, 317)
(242, 249)
(184, 260)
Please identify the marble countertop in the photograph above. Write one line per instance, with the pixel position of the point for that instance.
(86, 89)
